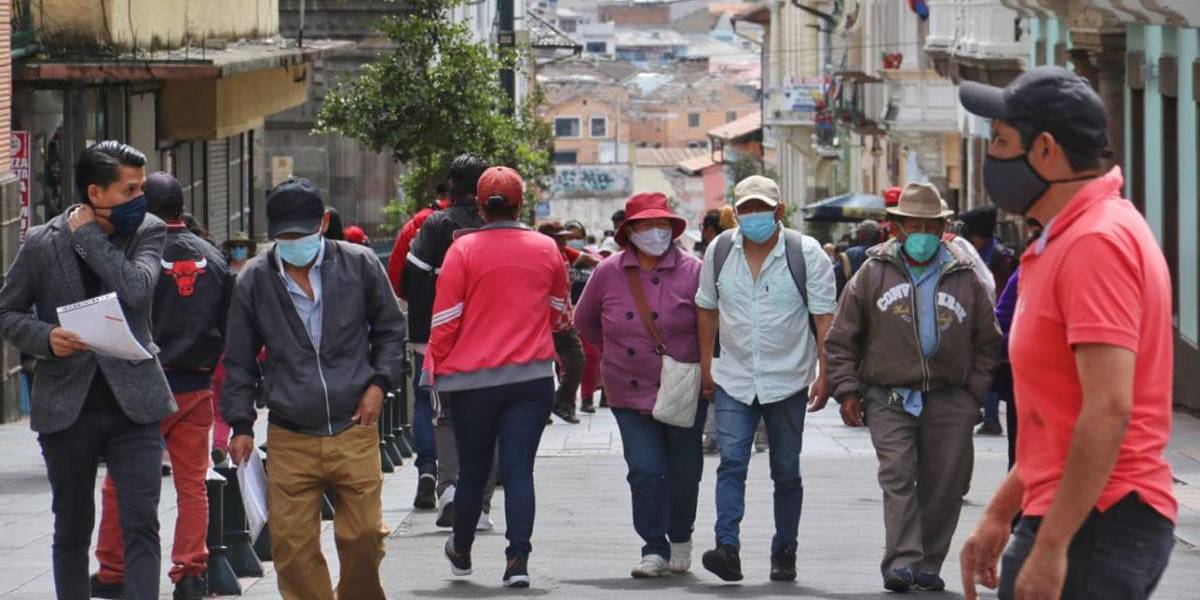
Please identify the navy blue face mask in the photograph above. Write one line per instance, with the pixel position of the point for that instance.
(127, 217)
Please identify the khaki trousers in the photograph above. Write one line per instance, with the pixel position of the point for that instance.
(298, 468)
(925, 466)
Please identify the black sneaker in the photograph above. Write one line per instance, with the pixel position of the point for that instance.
(899, 580)
(220, 458)
(426, 492)
(516, 574)
(111, 591)
(460, 562)
(588, 408)
(990, 428)
(783, 566)
(929, 582)
(724, 562)
(191, 587)
(603, 399)
(566, 415)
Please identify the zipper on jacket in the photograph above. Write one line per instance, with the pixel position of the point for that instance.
(317, 348)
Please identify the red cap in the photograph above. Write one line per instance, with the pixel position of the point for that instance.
(891, 196)
(648, 205)
(355, 235)
(503, 182)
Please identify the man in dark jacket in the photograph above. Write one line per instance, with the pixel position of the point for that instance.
(979, 227)
(329, 363)
(190, 302)
(87, 405)
(420, 282)
(913, 345)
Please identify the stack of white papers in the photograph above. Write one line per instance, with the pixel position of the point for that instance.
(101, 324)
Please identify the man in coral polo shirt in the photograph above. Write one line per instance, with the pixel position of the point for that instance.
(1091, 355)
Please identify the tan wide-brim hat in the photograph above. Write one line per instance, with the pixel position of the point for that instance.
(920, 201)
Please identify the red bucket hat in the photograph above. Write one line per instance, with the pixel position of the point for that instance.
(649, 205)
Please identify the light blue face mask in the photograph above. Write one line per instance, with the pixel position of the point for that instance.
(921, 246)
(758, 227)
(299, 252)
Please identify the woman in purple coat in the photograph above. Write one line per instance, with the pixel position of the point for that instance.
(665, 462)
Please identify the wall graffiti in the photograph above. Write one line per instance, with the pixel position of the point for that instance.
(592, 180)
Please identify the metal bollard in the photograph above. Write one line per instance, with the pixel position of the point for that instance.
(327, 502)
(385, 459)
(237, 534)
(262, 546)
(403, 417)
(386, 417)
(221, 578)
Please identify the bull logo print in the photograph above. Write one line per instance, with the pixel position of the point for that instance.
(185, 272)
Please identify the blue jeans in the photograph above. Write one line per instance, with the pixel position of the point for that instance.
(736, 423)
(665, 464)
(991, 407)
(424, 433)
(514, 414)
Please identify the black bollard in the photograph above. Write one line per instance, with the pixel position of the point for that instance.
(327, 499)
(237, 533)
(385, 459)
(402, 423)
(386, 415)
(262, 546)
(222, 580)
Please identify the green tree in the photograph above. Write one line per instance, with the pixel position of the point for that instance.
(437, 95)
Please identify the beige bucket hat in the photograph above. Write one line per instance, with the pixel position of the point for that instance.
(920, 201)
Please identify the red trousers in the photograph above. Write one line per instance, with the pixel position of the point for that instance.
(186, 434)
(591, 372)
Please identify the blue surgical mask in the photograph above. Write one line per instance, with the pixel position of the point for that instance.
(127, 217)
(576, 244)
(921, 246)
(758, 227)
(239, 254)
(299, 252)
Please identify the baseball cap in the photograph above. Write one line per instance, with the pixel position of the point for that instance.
(756, 187)
(1050, 98)
(294, 206)
(503, 182)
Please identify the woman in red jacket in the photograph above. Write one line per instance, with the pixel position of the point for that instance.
(494, 363)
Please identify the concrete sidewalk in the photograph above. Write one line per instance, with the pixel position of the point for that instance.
(584, 543)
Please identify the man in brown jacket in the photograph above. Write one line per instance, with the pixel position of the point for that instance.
(910, 353)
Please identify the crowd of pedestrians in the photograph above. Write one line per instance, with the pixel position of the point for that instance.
(916, 328)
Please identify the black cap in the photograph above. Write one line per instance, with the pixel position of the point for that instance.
(164, 196)
(294, 207)
(1051, 99)
(980, 221)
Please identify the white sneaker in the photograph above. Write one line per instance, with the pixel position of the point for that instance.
(485, 523)
(445, 511)
(681, 557)
(652, 565)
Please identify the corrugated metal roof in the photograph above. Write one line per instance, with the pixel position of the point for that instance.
(696, 164)
(738, 128)
(666, 157)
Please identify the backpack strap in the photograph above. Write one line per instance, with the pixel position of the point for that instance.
(794, 250)
(723, 243)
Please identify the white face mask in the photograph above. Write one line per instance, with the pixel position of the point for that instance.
(652, 242)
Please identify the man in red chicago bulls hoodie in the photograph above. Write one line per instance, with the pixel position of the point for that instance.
(191, 300)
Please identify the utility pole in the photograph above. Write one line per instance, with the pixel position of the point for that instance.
(506, 39)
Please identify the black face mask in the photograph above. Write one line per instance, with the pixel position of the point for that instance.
(1013, 185)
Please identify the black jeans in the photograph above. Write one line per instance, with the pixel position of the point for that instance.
(1120, 553)
(133, 456)
(513, 415)
(570, 353)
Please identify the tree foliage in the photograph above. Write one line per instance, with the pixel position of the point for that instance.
(437, 94)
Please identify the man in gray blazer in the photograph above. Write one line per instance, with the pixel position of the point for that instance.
(86, 406)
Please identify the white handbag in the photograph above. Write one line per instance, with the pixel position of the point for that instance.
(679, 382)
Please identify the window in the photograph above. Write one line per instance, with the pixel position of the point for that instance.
(693, 120)
(599, 127)
(730, 116)
(565, 158)
(566, 127)
(597, 47)
(567, 25)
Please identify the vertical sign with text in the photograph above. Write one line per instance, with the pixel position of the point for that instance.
(21, 157)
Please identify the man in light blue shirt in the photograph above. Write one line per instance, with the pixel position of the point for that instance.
(768, 365)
